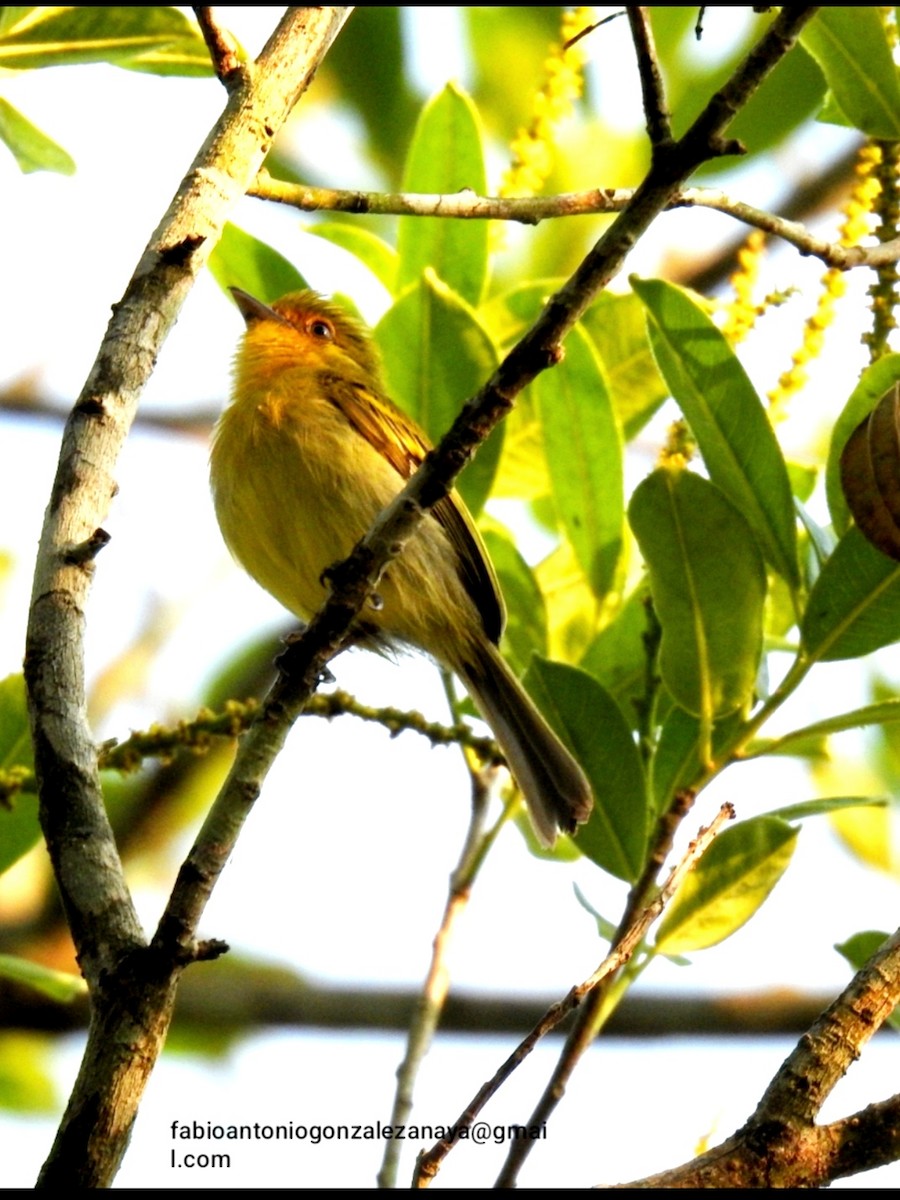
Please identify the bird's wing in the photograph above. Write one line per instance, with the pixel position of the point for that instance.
(402, 443)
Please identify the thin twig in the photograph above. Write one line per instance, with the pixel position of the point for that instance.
(582, 33)
(625, 946)
(222, 46)
(653, 90)
(531, 210)
(586, 1029)
(433, 996)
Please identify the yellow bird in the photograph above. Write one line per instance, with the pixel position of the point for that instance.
(305, 456)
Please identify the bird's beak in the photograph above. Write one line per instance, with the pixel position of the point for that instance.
(253, 309)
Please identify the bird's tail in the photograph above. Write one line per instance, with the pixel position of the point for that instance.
(555, 788)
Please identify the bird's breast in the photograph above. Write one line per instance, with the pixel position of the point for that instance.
(296, 485)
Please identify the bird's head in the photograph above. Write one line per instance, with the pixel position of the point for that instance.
(305, 328)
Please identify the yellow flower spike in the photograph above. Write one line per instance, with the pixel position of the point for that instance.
(532, 148)
(884, 293)
(742, 313)
(680, 447)
(856, 225)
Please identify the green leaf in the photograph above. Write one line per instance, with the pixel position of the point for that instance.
(618, 329)
(571, 605)
(874, 382)
(803, 479)
(522, 474)
(617, 656)
(32, 149)
(591, 722)
(58, 985)
(19, 827)
(870, 714)
(728, 886)
(11, 15)
(824, 806)
(821, 543)
(155, 39)
(678, 760)
(445, 156)
(708, 583)
(436, 355)
(367, 247)
(584, 456)
(851, 47)
(15, 733)
(509, 314)
(859, 948)
(241, 260)
(526, 625)
(854, 606)
(726, 416)
(606, 928)
(523, 468)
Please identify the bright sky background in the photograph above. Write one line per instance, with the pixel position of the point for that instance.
(358, 864)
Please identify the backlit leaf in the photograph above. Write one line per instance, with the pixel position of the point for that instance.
(729, 884)
(708, 584)
(727, 418)
(445, 156)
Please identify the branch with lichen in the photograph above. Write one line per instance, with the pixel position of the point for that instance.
(163, 742)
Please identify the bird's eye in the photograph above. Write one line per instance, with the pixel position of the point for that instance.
(320, 328)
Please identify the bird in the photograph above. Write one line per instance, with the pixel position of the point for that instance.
(309, 450)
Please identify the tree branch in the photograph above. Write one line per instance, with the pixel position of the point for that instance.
(253, 995)
(125, 1036)
(656, 109)
(433, 997)
(222, 47)
(531, 210)
(781, 1146)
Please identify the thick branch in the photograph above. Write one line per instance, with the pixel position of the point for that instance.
(126, 1037)
(781, 1146)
